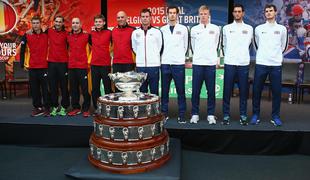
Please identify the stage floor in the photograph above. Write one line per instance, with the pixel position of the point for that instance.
(17, 127)
(37, 163)
(46, 147)
(295, 117)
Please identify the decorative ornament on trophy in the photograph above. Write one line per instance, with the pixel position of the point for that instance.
(128, 82)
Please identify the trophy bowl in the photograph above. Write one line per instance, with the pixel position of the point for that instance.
(128, 82)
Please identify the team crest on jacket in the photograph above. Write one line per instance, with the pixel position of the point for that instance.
(178, 32)
(244, 32)
(277, 32)
(211, 32)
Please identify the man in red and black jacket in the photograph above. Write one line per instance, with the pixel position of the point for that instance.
(36, 44)
(101, 59)
(121, 37)
(58, 66)
(78, 68)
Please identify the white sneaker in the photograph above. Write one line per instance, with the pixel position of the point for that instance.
(211, 119)
(166, 119)
(194, 119)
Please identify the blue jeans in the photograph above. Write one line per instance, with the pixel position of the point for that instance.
(231, 72)
(152, 79)
(203, 74)
(275, 77)
(177, 73)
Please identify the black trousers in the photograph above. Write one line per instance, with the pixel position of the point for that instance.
(98, 73)
(122, 68)
(58, 78)
(77, 78)
(38, 80)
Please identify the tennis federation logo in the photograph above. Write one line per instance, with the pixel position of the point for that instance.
(8, 17)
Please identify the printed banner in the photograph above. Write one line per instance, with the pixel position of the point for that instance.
(15, 16)
(188, 85)
(188, 11)
(294, 15)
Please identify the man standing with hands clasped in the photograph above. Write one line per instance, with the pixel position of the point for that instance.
(237, 38)
(175, 38)
(78, 68)
(205, 43)
(37, 44)
(101, 59)
(147, 44)
(271, 41)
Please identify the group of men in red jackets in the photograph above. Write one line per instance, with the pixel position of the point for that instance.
(57, 59)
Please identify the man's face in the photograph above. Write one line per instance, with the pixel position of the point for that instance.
(76, 24)
(238, 13)
(297, 25)
(36, 24)
(298, 17)
(204, 15)
(172, 15)
(270, 13)
(146, 19)
(58, 23)
(99, 23)
(121, 18)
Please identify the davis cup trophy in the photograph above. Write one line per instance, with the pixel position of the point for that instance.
(129, 134)
(128, 82)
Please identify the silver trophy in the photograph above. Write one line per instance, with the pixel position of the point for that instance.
(128, 82)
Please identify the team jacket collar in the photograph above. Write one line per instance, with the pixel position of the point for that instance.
(271, 24)
(62, 29)
(121, 27)
(238, 23)
(150, 26)
(34, 32)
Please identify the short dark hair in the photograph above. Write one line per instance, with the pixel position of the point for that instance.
(59, 16)
(172, 7)
(36, 18)
(239, 6)
(99, 16)
(270, 6)
(145, 10)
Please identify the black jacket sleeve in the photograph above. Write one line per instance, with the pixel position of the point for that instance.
(23, 50)
(89, 39)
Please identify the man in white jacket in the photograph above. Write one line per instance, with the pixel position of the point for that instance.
(147, 45)
(271, 40)
(237, 38)
(205, 43)
(175, 38)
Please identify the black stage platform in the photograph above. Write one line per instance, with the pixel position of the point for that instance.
(169, 171)
(18, 128)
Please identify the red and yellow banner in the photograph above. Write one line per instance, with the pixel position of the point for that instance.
(133, 8)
